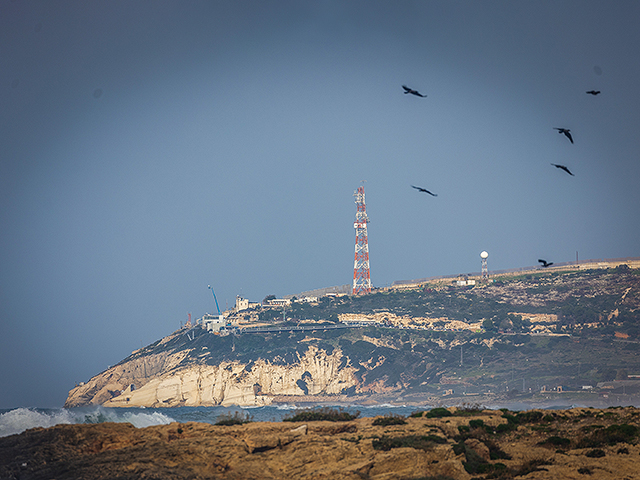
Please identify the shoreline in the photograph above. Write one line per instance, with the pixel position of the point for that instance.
(451, 443)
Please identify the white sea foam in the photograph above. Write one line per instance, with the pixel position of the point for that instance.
(21, 419)
(141, 420)
(289, 407)
(380, 405)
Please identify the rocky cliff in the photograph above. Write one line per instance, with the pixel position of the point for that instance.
(166, 380)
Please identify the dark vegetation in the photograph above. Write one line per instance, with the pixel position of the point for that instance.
(438, 412)
(611, 435)
(237, 418)
(577, 297)
(322, 414)
(389, 420)
(487, 435)
(419, 442)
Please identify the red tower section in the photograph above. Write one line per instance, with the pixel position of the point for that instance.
(361, 276)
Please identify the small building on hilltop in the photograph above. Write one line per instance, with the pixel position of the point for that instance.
(212, 323)
(244, 304)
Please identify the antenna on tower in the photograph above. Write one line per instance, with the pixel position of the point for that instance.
(485, 269)
(361, 275)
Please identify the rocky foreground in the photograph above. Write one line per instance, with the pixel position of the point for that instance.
(452, 444)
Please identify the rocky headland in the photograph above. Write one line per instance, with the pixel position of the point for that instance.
(441, 444)
(527, 338)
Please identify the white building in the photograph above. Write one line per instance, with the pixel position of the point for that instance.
(212, 323)
(278, 302)
(241, 303)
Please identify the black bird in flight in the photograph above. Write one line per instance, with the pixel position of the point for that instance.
(412, 92)
(562, 167)
(425, 191)
(593, 92)
(545, 263)
(565, 131)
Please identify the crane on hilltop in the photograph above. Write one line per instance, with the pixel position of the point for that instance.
(214, 297)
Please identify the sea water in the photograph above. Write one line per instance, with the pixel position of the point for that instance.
(18, 420)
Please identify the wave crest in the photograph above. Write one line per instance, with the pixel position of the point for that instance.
(21, 419)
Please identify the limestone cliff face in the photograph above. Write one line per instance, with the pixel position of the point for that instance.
(163, 380)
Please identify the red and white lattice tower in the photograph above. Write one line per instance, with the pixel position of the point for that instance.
(361, 277)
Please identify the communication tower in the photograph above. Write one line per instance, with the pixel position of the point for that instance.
(485, 269)
(361, 277)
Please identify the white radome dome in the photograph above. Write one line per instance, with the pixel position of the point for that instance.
(484, 255)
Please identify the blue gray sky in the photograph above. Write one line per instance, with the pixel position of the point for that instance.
(151, 148)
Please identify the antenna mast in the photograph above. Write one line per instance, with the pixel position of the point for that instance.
(361, 275)
(485, 269)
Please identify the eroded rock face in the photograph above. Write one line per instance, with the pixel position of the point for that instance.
(228, 383)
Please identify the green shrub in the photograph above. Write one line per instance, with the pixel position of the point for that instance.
(459, 448)
(419, 442)
(476, 424)
(389, 420)
(417, 414)
(560, 442)
(322, 414)
(238, 418)
(494, 469)
(529, 417)
(495, 452)
(438, 412)
(505, 427)
(595, 453)
(588, 428)
(611, 435)
(511, 419)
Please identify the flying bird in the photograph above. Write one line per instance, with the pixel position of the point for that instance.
(412, 92)
(562, 167)
(593, 92)
(425, 191)
(545, 263)
(565, 131)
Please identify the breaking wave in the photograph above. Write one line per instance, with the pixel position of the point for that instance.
(20, 419)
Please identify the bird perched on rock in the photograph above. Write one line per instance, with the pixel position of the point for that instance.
(562, 167)
(594, 92)
(425, 191)
(566, 133)
(412, 92)
(545, 263)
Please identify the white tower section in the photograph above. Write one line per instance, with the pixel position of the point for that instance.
(485, 269)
